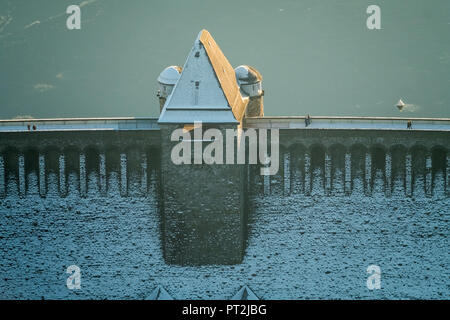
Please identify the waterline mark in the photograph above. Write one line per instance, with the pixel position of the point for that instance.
(208, 147)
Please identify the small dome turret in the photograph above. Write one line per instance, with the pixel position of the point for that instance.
(249, 79)
(166, 81)
(250, 82)
(170, 75)
(247, 75)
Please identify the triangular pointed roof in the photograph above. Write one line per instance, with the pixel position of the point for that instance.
(207, 90)
(159, 294)
(245, 294)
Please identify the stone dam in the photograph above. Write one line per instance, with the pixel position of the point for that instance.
(101, 194)
(111, 199)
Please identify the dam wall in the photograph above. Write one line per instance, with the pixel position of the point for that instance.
(346, 160)
(343, 199)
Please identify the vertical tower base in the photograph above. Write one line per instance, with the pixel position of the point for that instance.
(203, 210)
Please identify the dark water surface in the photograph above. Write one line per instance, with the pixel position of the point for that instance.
(316, 57)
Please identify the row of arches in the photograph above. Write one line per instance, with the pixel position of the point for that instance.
(129, 171)
(332, 170)
(340, 169)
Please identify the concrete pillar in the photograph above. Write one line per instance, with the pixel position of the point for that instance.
(327, 173)
(102, 173)
(408, 175)
(287, 173)
(22, 184)
(428, 175)
(42, 176)
(83, 185)
(388, 174)
(348, 174)
(2, 177)
(368, 174)
(62, 175)
(123, 175)
(144, 182)
(307, 183)
(447, 175)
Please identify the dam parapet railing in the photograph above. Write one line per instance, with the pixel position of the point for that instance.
(346, 122)
(76, 124)
(269, 122)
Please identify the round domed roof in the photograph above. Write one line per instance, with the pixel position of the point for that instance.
(170, 75)
(247, 75)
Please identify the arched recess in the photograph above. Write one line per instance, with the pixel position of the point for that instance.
(277, 180)
(32, 170)
(92, 161)
(439, 164)
(153, 169)
(112, 161)
(72, 157)
(378, 154)
(134, 170)
(51, 156)
(11, 158)
(52, 159)
(297, 165)
(418, 154)
(337, 154)
(317, 168)
(72, 172)
(11, 167)
(398, 169)
(378, 160)
(358, 166)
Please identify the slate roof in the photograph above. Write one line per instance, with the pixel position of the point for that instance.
(207, 90)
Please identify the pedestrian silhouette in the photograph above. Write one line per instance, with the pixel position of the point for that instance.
(307, 120)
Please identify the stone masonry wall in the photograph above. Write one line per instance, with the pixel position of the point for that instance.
(333, 209)
(202, 211)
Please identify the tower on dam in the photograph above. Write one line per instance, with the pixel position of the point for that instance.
(204, 223)
(166, 81)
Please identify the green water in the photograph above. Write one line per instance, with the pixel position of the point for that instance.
(316, 56)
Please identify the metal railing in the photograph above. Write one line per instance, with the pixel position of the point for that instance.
(336, 122)
(75, 124)
(280, 122)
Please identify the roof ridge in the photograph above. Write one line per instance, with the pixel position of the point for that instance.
(226, 78)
